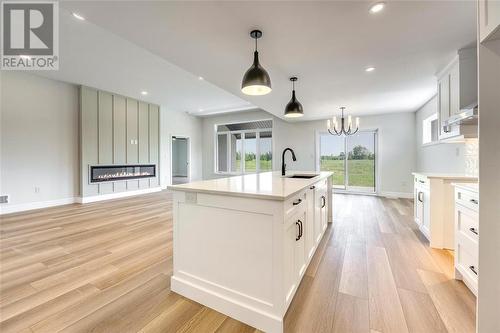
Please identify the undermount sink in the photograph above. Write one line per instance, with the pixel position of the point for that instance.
(303, 176)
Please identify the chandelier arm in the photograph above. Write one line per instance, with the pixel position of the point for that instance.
(356, 131)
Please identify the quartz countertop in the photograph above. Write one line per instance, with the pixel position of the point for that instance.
(458, 176)
(474, 187)
(267, 185)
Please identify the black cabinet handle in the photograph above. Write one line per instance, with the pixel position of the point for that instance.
(297, 202)
(474, 201)
(419, 198)
(474, 231)
(298, 237)
(312, 187)
(301, 229)
(473, 269)
(323, 199)
(422, 181)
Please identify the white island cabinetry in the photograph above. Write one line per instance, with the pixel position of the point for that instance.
(242, 244)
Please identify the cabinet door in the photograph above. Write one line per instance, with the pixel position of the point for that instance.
(324, 213)
(426, 212)
(419, 211)
(290, 270)
(489, 19)
(454, 79)
(443, 101)
(309, 224)
(300, 248)
(317, 215)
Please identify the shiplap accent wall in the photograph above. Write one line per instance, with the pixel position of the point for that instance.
(115, 129)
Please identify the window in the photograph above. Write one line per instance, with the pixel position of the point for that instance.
(244, 147)
(430, 129)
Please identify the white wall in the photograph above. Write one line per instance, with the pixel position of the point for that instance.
(441, 157)
(39, 141)
(396, 145)
(39, 138)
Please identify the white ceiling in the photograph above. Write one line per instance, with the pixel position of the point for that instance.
(92, 56)
(326, 44)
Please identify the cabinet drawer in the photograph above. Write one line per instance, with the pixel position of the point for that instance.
(466, 264)
(295, 205)
(421, 181)
(467, 223)
(467, 199)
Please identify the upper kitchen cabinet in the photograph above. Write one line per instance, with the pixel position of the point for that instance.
(457, 96)
(489, 20)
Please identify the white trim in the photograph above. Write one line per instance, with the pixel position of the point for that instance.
(8, 208)
(188, 139)
(402, 195)
(110, 196)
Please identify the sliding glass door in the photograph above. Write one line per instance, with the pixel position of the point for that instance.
(352, 160)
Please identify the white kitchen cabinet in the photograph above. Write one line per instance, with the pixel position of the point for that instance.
(489, 19)
(456, 90)
(434, 206)
(243, 244)
(320, 211)
(422, 205)
(467, 235)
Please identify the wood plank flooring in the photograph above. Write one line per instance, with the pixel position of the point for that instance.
(105, 267)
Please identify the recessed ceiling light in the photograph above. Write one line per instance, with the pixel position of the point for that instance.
(200, 78)
(369, 69)
(200, 110)
(377, 7)
(26, 57)
(78, 16)
(144, 92)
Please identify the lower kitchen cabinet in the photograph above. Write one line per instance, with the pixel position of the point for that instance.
(434, 207)
(467, 235)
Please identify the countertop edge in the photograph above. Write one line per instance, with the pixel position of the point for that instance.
(473, 187)
(260, 196)
(451, 176)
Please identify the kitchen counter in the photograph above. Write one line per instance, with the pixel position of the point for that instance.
(267, 185)
(445, 175)
(473, 187)
(242, 244)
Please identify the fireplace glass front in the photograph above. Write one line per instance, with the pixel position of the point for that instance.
(106, 173)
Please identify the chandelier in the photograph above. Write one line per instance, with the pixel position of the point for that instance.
(335, 129)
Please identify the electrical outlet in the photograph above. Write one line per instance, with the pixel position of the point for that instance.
(4, 199)
(37, 189)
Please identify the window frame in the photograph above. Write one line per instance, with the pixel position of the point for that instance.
(242, 171)
(427, 129)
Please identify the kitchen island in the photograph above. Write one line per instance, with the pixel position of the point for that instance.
(242, 244)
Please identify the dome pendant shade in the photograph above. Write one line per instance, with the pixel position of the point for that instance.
(294, 109)
(256, 80)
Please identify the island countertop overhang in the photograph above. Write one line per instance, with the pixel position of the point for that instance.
(267, 185)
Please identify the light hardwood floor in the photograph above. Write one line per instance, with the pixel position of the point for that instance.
(106, 267)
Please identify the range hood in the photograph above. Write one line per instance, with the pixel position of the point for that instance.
(467, 116)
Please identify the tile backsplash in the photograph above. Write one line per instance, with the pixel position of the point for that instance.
(471, 155)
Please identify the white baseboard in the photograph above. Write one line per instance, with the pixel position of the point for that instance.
(8, 209)
(402, 195)
(110, 196)
(15, 208)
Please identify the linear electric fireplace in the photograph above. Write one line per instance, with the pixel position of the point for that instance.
(108, 173)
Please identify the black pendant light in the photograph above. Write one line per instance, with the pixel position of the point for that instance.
(293, 109)
(256, 81)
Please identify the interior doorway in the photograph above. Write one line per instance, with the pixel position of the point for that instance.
(180, 159)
